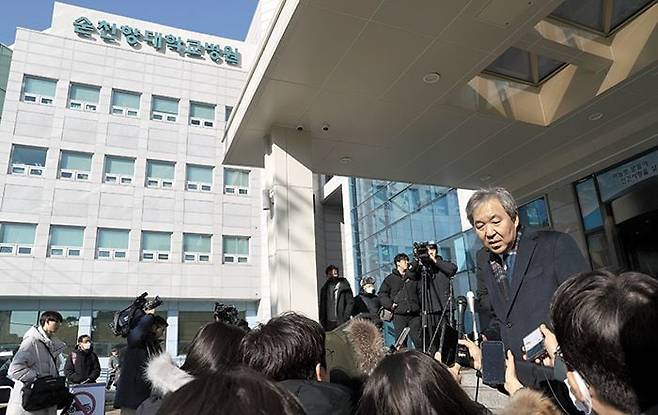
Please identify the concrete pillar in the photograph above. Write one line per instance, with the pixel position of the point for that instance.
(291, 233)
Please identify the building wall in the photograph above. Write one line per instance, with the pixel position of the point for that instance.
(58, 53)
(5, 61)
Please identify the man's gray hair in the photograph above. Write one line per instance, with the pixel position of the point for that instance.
(482, 195)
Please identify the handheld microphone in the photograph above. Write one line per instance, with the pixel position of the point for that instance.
(461, 308)
(470, 299)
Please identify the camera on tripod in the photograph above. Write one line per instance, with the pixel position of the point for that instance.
(127, 318)
(421, 252)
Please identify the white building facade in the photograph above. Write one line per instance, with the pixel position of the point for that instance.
(110, 142)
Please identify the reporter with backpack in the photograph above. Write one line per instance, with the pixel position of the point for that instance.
(82, 365)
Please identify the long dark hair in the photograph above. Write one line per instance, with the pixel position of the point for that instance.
(216, 347)
(239, 391)
(413, 383)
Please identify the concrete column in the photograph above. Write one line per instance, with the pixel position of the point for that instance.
(291, 233)
(171, 342)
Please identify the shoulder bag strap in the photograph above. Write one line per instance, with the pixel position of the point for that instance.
(51, 355)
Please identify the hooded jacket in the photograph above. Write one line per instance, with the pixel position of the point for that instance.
(82, 365)
(403, 291)
(31, 362)
(165, 377)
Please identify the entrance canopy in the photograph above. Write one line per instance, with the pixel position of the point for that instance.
(458, 93)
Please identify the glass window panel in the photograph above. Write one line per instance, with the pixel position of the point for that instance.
(514, 63)
(624, 9)
(534, 214)
(236, 245)
(112, 238)
(202, 174)
(588, 13)
(13, 325)
(66, 236)
(422, 224)
(547, 66)
(193, 242)
(101, 334)
(84, 93)
(597, 245)
(32, 156)
(156, 241)
(203, 111)
(68, 331)
(160, 169)
(234, 177)
(189, 323)
(227, 112)
(119, 165)
(40, 86)
(17, 233)
(125, 99)
(589, 205)
(75, 161)
(166, 105)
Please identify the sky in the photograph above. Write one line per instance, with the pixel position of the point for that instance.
(225, 18)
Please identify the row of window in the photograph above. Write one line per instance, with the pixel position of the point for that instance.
(82, 97)
(74, 165)
(112, 244)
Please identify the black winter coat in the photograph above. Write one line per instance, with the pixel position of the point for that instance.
(367, 306)
(320, 398)
(133, 387)
(82, 365)
(345, 302)
(402, 291)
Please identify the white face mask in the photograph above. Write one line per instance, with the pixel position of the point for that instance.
(85, 346)
(369, 289)
(585, 405)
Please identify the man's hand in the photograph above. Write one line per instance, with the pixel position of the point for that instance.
(474, 351)
(550, 344)
(512, 383)
(454, 369)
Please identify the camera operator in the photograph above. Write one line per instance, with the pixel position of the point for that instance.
(401, 295)
(437, 292)
(146, 331)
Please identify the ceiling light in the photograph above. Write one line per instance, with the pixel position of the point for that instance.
(345, 160)
(595, 116)
(431, 78)
(485, 178)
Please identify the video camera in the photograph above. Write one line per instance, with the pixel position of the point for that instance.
(230, 315)
(126, 319)
(421, 252)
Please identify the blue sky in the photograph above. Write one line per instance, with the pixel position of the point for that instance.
(226, 18)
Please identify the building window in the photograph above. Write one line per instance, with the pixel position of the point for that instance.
(227, 112)
(198, 178)
(65, 241)
(13, 326)
(236, 249)
(112, 244)
(589, 203)
(160, 174)
(84, 97)
(236, 182)
(202, 115)
(125, 103)
(164, 109)
(156, 246)
(74, 166)
(101, 334)
(39, 90)
(196, 247)
(188, 326)
(17, 238)
(118, 170)
(535, 214)
(30, 161)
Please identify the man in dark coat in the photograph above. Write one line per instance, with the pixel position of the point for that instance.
(401, 295)
(518, 272)
(336, 300)
(143, 343)
(367, 303)
(437, 293)
(82, 365)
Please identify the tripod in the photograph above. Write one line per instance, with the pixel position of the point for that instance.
(448, 307)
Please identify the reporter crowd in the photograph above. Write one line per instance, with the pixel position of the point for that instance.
(600, 342)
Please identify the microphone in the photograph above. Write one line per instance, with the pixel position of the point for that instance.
(470, 299)
(461, 308)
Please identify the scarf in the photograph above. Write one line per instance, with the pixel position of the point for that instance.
(498, 268)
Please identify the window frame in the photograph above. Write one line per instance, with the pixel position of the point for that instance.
(202, 122)
(28, 169)
(76, 175)
(38, 99)
(164, 116)
(86, 106)
(66, 250)
(119, 179)
(15, 246)
(235, 258)
(159, 182)
(111, 252)
(125, 111)
(236, 190)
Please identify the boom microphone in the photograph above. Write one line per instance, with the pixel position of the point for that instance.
(461, 308)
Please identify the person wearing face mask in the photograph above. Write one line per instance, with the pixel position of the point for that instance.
(367, 303)
(82, 365)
